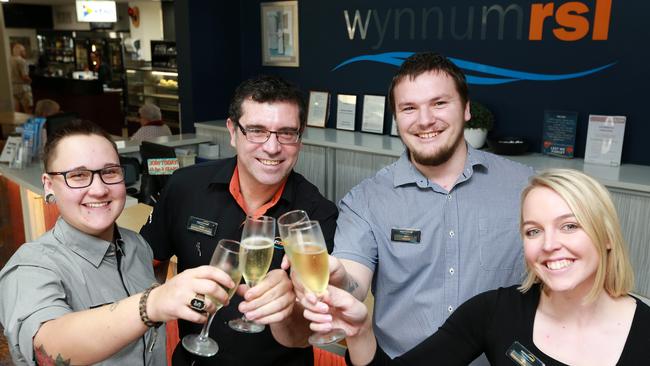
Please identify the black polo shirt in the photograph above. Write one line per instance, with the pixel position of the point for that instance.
(202, 191)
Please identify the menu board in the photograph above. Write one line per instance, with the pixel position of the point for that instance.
(559, 134)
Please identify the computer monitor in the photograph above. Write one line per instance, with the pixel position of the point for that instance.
(55, 122)
(152, 185)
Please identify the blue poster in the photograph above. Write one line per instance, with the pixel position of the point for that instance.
(559, 134)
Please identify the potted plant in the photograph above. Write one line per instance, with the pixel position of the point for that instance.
(477, 127)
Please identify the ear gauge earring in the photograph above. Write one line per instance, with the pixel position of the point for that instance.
(50, 198)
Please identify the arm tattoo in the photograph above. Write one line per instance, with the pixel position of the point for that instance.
(113, 306)
(43, 359)
(351, 285)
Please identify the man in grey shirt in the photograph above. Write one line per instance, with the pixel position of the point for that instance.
(436, 227)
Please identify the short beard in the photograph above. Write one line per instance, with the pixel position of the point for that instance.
(438, 158)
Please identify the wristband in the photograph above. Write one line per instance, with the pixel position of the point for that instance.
(143, 308)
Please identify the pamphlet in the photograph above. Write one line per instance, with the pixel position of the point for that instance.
(11, 148)
(559, 134)
(605, 140)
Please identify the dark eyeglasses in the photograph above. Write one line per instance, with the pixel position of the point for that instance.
(82, 178)
(260, 135)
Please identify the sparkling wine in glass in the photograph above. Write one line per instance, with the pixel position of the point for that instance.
(226, 258)
(255, 255)
(310, 260)
(285, 222)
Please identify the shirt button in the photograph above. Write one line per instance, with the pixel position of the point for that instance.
(451, 271)
(450, 308)
(451, 234)
(449, 197)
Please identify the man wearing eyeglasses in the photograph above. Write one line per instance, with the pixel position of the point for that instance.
(207, 202)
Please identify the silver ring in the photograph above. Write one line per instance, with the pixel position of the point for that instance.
(198, 303)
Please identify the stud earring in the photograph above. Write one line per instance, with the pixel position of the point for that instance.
(50, 198)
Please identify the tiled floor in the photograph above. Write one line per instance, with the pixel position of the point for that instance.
(5, 358)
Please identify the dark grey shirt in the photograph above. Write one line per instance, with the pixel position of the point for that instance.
(65, 271)
(469, 241)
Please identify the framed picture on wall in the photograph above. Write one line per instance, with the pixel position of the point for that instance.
(346, 109)
(318, 108)
(373, 113)
(280, 33)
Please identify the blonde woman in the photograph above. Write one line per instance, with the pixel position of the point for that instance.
(573, 308)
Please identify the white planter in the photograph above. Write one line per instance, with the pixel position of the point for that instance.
(476, 137)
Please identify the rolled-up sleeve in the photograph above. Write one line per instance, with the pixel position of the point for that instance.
(42, 298)
(354, 239)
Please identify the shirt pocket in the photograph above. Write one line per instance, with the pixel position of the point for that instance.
(500, 242)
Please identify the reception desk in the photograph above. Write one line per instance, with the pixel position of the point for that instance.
(335, 161)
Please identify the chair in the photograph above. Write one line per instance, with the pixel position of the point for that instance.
(132, 171)
(152, 185)
(57, 121)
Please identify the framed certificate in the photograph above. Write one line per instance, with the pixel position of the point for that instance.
(373, 113)
(393, 127)
(346, 109)
(318, 108)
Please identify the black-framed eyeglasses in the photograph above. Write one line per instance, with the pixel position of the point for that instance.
(82, 178)
(259, 135)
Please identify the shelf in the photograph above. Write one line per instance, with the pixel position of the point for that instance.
(163, 96)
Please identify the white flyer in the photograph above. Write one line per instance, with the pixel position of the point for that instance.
(605, 140)
(11, 147)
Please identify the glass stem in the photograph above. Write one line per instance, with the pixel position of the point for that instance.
(206, 328)
(251, 284)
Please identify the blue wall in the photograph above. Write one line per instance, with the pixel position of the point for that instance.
(519, 106)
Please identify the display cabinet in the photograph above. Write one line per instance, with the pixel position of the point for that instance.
(145, 85)
(56, 50)
(163, 55)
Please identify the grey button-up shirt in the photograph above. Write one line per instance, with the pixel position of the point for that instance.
(65, 271)
(469, 241)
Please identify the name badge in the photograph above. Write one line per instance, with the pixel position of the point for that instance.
(405, 235)
(202, 226)
(518, 353)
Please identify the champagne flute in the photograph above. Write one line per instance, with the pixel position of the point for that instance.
(310, 260)
(226, 258)
(285, 222)
(255, 257)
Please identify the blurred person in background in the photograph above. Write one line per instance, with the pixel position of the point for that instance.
(151, 122)
(20, 80)
(46, 108)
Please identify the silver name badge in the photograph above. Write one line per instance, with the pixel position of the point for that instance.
(405, 235)
(199, 225)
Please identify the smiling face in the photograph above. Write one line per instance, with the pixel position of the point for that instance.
(556, 247)
(94, 209)
(430, 116)
(265, 165)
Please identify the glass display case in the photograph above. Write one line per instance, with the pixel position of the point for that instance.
(145, 85)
